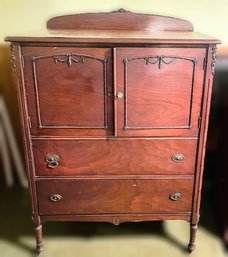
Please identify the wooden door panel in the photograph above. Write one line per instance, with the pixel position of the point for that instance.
(120, 196)
(162, 88)
(69, 90)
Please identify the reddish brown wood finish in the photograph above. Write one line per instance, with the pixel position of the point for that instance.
(68, 90)
(95, 157)
(116, 219)
(162, 90)
(205, 110)
(117, 196)
(17, 67)
(114, 173)
(119, 20)
(112, 38)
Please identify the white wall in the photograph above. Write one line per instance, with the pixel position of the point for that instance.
(17, 16)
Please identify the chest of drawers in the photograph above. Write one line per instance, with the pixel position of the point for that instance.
(114, 110)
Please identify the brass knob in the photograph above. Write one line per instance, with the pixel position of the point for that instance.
(175, 196)
(52, 161)
(119, 95)
(177, 157)
(55, 198)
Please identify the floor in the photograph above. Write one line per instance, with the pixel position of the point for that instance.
(65, 239)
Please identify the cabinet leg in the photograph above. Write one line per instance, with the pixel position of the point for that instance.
(191, 245)
(39, 242)
(38, 234)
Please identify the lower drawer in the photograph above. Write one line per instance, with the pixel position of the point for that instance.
(119, 196)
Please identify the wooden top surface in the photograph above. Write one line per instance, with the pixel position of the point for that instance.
(98, 36)
(118, 27)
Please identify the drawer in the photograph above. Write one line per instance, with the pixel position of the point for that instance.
(120, 196)
(115, 157)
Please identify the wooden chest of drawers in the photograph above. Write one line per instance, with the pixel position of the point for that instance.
(114, 110)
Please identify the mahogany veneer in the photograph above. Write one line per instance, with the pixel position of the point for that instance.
(95, 157)
(114, 109)
(120, 196)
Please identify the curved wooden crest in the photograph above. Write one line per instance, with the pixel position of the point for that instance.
(119, 20)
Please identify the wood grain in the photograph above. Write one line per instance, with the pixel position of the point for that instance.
(119, 20)
(115, 157)
(116, 219)
(112, 37)
(69, 98)
(115, 153)
(107, 196)
(162, 89)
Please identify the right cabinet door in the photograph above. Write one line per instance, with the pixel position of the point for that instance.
(159, 91)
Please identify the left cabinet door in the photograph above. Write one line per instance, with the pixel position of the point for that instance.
(69, 90)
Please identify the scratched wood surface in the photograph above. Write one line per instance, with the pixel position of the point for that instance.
(115, 157)
(115, 142)
(114, 196)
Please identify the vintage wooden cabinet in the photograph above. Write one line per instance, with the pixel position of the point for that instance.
(114, 110)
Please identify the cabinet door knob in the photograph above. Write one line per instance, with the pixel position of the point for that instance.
(177, 157)
(119, 95)
(52, 161)
(175, 196)
(55, 198)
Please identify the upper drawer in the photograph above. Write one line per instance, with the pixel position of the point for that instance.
(115, 157)
(67, 90)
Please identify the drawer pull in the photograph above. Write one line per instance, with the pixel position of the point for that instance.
(55, 198)
(52, 161)
(119, 95)
(177, 157)
(175, 196)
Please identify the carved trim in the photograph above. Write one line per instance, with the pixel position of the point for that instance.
(116, 221)
(121, 10)
(13, 57)
(214, 53)
(69, 59)
(160, 60)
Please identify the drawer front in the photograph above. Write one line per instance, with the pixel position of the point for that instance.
(115, 157)
(68, 89)
(122, 196)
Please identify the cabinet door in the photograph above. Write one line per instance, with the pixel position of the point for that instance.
(159, 91)
(67, 89)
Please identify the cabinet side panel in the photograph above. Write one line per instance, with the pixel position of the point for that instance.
(18, 76)
(206, 102)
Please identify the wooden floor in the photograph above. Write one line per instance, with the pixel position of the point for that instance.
(148, 239)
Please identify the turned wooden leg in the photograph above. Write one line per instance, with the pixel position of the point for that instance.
(191, 245)
(39, 242)
(38, 234)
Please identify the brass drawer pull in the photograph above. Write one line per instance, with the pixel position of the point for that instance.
(177, 157)
(175, 196)
(55, 198)
(52, 161)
